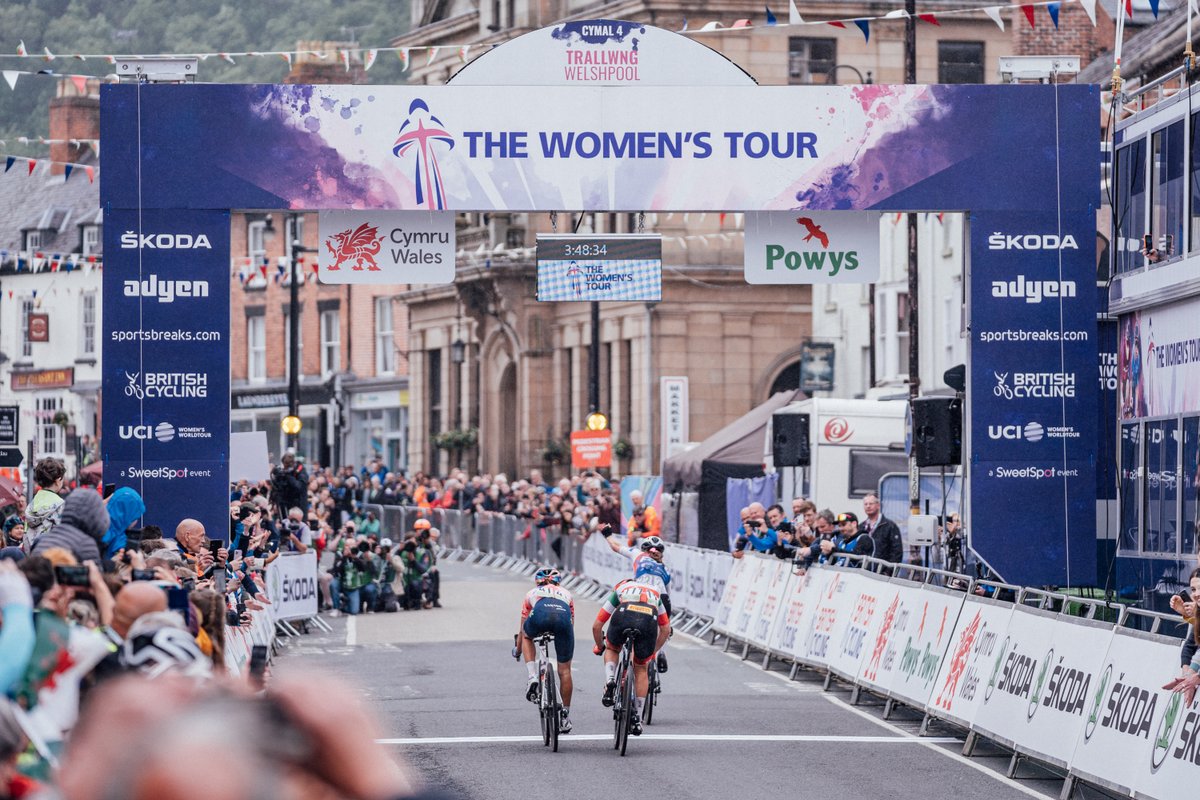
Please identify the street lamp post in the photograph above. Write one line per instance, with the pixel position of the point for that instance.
(292, 422)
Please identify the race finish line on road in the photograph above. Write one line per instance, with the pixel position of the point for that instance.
(683, 737)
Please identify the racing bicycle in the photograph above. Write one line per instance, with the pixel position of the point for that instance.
(623, 705)
(548, 702)
(652, 694)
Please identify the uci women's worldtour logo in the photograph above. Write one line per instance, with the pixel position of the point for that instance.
(421, 136)
(356, 247)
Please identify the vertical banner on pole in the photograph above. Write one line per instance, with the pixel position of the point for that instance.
(166, 362)
(673, 395)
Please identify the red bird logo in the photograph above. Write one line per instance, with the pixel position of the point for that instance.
(359, 246)
(814, 231)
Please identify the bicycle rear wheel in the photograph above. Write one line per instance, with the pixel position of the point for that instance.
(553, 710)
(542, 706)
(627, 703)
(651, 695)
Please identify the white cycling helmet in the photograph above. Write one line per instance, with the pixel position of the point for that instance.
(156, 651)
(653, 543)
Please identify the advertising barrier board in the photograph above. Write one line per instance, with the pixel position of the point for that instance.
(908, 645)
(761, 573)
(1041, 682)
(292, 585)
(801, 594)
(774, 595)
(976, 646)
(862, 591)
(736, 585)
(828, 614)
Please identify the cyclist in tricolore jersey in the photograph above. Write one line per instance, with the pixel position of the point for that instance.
(637, 608)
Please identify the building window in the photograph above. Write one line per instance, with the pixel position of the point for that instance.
(256, 245)
(1191, 485)
(90, 240)
(256, 348)
(331, 343)
(1131, 205)
(1167, 191)
(87, 322)
(1129, 484)
(891, 332)
(1162, 487)
(23, 335)
(33, 240)
(569, 388)
(385, 345)
(810, 60)
(960, 62)
(50, 433)
(433, 377)
(295, 232)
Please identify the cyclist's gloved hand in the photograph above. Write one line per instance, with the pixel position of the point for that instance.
(598, 649)
(606, 531)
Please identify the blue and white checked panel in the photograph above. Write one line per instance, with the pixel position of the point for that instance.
(596, 279)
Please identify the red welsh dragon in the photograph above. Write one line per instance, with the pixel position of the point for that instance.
(360, 246)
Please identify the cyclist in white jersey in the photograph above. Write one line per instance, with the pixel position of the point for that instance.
(648, 568)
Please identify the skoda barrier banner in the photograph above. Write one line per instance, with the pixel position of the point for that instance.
(1128, 737)
(977, 647)
(292, 585)
(1041, 682)
(1032, 399)
(812, 247)
(166, 363)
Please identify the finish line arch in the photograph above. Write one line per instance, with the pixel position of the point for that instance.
(1021, 160)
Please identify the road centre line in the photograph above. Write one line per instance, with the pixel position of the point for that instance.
(676, 737)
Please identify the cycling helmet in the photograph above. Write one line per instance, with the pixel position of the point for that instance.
(163, 650)
(548, 575)
(653, 543)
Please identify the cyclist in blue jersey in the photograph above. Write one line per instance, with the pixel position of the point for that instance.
(549, 608)
(648, 569)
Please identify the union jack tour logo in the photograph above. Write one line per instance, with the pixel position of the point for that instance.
(419, 135)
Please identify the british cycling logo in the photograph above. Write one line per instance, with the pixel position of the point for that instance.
(159, 385)
(421, 140)
(1026, 385)
(355, 246)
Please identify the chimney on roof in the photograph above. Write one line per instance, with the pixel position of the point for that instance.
(74, 122)
(321, 62)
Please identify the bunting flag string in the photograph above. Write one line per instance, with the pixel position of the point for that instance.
(68, 166)
(35, 261)
(369, 55)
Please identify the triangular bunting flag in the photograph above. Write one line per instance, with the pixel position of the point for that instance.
(1129, 8)
(771, 21)
(48, 57)
(711, 26)
(80, 82)
(21, 51)
(684, 28)
(865, 27)
(463, 51)
(91, 173)
(32, 165)
(227, 57)
(794, 17)
(1089, 8)
(403, 56)
(11, 75)
(837, 23)
(1052, 9)
(369, 60)
(740, 23)
(1193, 3)
(1154, 8)
(433, 53)
(288, 58)
(8, 162)
(930, 18)
(344, 55)
(1028, 12)
(994, 13)
(67, 171)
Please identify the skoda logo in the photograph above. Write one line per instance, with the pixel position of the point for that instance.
(987, 692)
(1166, 730)
(1094, 716)
(1035, 697)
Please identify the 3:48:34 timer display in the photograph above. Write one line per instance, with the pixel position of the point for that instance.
(584, 250)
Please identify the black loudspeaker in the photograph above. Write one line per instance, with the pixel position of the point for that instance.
(937, 431)
(789, 445)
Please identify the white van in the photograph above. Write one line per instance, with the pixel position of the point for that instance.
(852, 443)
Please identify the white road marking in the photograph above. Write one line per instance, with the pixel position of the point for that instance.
(677, 737)
(931, 743)
(351, 631)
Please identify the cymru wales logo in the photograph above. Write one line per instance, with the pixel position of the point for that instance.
(357, 247)
(419, 136)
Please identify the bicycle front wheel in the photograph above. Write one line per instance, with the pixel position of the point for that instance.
(542, 709)
(627, 706)
(553, 710)
(648, 706)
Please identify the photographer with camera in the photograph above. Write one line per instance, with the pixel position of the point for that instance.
(785, 533)
(809, 551)
(411, 564)
(289, 485)
(353, 577)
(296, 535)
(849, 540)
(755, 533)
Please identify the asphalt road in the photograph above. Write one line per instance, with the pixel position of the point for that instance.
(451, 699)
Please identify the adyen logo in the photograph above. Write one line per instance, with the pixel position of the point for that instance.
(420, 135)
(1032, 291)
(1031, 241)
(165, 291)
(163, 432)
(836, 260)
(132, 240)
(357, 247)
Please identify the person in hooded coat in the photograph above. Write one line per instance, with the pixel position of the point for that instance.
(124, 507)
(84, 522)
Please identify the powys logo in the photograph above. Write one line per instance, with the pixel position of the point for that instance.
(419, 140)
(1031, 241)
(837, 260)
(1032, 291)
(165, 291)
(132, 240)
(838, 430)
(359, 245)
(1027, 385)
